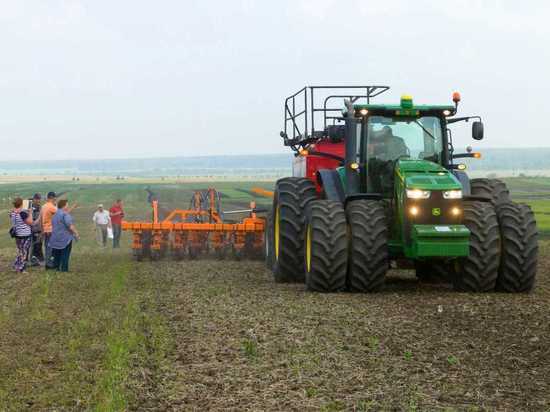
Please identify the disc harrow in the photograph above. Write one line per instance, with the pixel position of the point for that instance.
(199, 230)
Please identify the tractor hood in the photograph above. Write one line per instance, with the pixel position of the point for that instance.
(425, 175)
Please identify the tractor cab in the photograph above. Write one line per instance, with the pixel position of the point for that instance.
(387, 138)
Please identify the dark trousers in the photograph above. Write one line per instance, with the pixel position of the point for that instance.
(61, 258)
(117, 230)
(47, 248)
(37, 247)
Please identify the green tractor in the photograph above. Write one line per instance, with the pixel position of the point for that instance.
(377, 186)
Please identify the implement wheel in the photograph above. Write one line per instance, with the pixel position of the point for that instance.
(292, 195)
(155, 254)
(138, 254)
(478, 272)
(326, 247)
(519, 251)
(368, 253)
(493, 189)
(179, 254)
(193, 252)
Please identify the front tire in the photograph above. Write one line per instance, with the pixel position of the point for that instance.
(291, 198)
(326, 247)
(368, 253)
(478, 272)
(518, 261)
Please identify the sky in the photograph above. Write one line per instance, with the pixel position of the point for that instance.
(122, 79)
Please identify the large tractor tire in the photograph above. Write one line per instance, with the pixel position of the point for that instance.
(326, 254)
(478, 272)
(493, 189)
(368, 246)
(519, 248)
(290, 201)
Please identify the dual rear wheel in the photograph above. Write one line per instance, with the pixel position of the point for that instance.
(346, 249)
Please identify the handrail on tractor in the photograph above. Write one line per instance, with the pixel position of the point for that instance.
(300, 115)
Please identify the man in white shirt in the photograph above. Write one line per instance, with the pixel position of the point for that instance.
(102, 222)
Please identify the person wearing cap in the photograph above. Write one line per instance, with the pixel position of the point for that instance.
(37, 256)
(48, 211)
(102, 222)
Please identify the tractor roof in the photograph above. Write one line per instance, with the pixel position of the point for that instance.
(406, 107)
(421, 107)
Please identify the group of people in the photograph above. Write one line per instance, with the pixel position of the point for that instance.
(44, 234)
(109, 221)
(51, 225)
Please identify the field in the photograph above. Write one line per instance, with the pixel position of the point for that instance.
(114, 334)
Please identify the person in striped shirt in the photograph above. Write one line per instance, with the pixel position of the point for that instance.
(21, 223)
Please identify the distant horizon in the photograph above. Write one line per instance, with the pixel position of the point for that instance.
(206, 156)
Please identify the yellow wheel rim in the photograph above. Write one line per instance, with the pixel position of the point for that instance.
(276, 230)
(308, 248)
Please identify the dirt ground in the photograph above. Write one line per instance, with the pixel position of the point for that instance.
(243, 343)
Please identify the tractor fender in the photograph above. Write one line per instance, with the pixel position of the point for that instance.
(464, 180)
(330, 181)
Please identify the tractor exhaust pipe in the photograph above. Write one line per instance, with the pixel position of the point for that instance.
(351, 149)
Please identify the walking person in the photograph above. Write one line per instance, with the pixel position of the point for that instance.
(48, 211)
(21, 222)
(102, 222)
(117, 213)
(37, 256)
(63, 234)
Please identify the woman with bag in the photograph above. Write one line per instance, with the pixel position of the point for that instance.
(21, 222)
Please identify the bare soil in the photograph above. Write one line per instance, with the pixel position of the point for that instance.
(245, 343)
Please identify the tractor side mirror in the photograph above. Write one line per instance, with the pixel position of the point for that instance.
(477, 130)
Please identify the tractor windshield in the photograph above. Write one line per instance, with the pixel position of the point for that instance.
(392, 138)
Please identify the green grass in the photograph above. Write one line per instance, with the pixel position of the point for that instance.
(84, 336)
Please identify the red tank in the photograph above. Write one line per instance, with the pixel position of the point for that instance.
(307, 165)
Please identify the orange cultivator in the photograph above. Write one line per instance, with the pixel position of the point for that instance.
(198, 230)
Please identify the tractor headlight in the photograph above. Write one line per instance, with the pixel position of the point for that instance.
(418, 194)
(452, 194)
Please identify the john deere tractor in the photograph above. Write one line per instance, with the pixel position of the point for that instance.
(376, 186)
